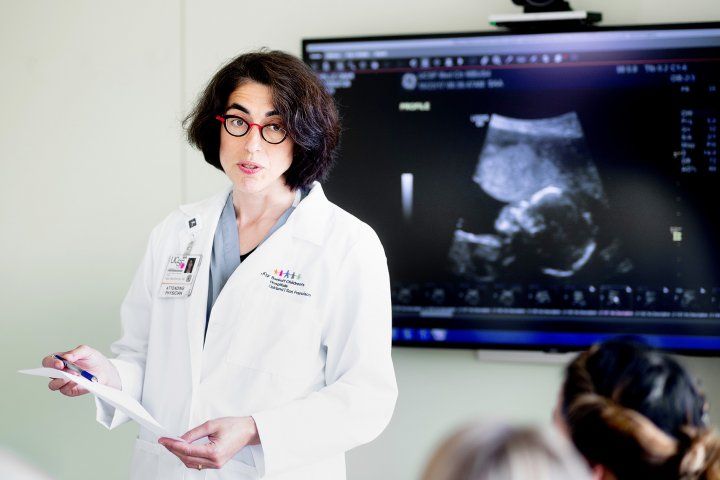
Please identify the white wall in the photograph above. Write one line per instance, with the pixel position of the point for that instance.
(89, 108)
(92, 156)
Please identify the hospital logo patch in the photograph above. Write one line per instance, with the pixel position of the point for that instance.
(287, 273)
(287, 281)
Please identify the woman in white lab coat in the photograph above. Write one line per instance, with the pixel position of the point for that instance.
(259, 319)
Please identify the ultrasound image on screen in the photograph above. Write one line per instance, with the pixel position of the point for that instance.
(518, 186)
(542, 171)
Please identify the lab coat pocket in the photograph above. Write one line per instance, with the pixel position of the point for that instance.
(233, 469)
(277, 335)
(145, 460)
(152, 460)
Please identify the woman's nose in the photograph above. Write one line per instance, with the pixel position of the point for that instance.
(254, 138)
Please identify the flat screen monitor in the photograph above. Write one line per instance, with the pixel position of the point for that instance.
(538, 191)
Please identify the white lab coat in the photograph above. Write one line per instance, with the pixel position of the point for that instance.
(311, 365)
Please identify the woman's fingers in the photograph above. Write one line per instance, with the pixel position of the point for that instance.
(51, 362)
(78, 353)
(66, 387)
(207, 451)
(206, 455)
(57, 383)
(200, 431)
(193, 462)
(72, 389)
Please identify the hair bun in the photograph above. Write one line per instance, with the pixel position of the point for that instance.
(693, 461)
(701, 457)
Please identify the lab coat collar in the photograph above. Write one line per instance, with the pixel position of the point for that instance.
(309, 221)
(311, 218)
(205, 208)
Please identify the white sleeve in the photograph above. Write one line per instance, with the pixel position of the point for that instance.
(360, 393)
(131, 348)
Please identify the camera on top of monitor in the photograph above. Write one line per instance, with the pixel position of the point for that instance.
(545, 15)
(534, 6)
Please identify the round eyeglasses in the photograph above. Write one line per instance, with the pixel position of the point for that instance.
(237, 127)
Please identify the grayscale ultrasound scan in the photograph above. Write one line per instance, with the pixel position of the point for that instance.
(542, 172)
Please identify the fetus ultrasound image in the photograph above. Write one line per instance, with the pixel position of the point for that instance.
(542, 171)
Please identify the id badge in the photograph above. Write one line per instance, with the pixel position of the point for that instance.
(179, 276)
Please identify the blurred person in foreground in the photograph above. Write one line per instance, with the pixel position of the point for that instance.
(496, 452)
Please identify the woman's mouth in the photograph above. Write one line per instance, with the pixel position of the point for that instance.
(249, 168)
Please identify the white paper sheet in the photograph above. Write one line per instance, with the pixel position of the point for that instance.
(113, 396)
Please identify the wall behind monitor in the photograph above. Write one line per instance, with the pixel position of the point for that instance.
(93, 156)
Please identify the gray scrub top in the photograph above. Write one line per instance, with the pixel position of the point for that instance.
(225, 257)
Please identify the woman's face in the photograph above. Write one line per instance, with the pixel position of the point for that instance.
(252, 164)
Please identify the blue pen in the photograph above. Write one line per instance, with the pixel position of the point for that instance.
(71, 366)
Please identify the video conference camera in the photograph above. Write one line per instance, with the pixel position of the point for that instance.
(535, 6)
(541, 15)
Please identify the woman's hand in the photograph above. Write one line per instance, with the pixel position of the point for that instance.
(88, 359)
(227, 436)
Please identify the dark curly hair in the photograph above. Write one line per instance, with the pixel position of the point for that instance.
(307, 109)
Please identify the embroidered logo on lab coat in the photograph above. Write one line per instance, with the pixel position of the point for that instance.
(286, 280)
(287, 273)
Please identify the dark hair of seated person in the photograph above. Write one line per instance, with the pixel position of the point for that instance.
(638, 413)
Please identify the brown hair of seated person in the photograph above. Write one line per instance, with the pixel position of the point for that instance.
(638, 414)
(496, 452)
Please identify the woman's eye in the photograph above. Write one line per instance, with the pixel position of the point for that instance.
(275, 127)
(237, 122)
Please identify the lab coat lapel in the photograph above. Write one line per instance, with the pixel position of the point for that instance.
(207, 215)
(311, 219)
